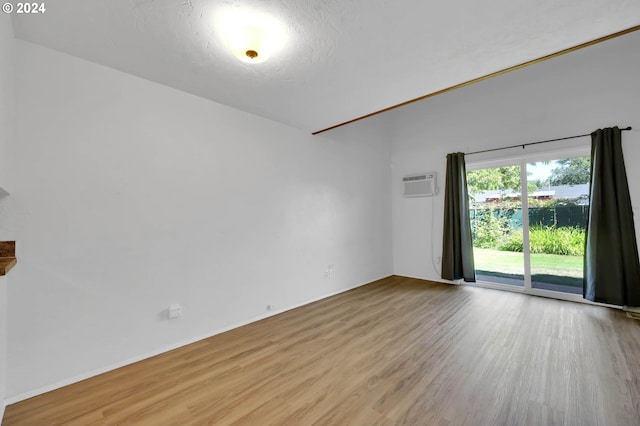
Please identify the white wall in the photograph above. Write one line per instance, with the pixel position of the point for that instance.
(131, 196)
(575, 94)
(6, 136)
(6, 93)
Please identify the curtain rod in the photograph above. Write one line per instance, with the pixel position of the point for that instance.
(534, 143)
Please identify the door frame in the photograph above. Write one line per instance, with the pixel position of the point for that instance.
(522, 160)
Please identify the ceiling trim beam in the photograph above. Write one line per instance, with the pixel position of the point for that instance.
(486, 77)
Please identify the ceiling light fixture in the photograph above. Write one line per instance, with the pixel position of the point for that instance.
(251, 36)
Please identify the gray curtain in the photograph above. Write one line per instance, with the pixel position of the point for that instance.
(611, 266)
(457, 246)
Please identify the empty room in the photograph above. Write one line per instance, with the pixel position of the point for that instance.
(282, 212)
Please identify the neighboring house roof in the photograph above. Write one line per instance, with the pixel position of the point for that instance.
(570, 192)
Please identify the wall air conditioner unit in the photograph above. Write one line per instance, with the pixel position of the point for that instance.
(422, 185)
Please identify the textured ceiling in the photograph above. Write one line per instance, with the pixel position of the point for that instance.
(343, 58)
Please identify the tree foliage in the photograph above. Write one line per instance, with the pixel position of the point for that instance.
(504, 178)
(572, 171)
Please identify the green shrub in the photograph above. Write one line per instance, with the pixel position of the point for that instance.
(514, 243)
(492, 228)
(550, 240)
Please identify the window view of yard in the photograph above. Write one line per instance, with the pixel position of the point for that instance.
(558, 206)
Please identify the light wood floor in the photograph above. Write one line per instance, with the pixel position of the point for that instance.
(397, 351)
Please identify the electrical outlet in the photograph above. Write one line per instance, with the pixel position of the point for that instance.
(438, 260)
(175, 311)
(328, 273)
(270, 308)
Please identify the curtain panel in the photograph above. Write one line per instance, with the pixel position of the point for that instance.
(611, 266)
(457, 245)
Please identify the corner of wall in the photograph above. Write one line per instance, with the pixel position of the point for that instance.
(7, 133)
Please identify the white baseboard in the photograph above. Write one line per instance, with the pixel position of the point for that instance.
(102, 370)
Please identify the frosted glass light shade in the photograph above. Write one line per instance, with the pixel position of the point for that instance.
(252, 37)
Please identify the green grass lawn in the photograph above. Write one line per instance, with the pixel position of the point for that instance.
(549, 268)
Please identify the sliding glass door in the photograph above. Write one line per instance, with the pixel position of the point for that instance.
(496, 222)
(528, 222)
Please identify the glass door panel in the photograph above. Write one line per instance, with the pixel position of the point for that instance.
(496, 224)
(558, 209)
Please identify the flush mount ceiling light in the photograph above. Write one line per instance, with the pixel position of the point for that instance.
(251, 36)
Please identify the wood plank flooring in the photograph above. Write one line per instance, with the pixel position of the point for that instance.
(397, 351)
